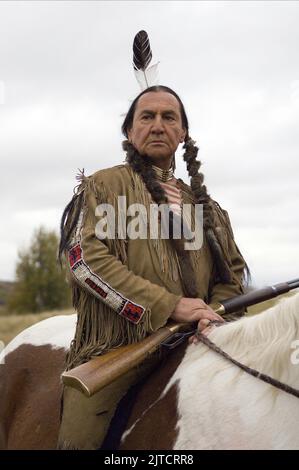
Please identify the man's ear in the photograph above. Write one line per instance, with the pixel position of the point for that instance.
(183, 135)
(130, 135)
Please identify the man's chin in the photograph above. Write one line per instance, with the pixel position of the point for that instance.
(161, 156)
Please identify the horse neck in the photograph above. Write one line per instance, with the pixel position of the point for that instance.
(265, 341)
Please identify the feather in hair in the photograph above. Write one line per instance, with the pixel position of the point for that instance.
(142, 55)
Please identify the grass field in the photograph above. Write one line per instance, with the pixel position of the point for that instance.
(253, 310)
(11, 325)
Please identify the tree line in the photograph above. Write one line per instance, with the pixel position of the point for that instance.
(40, 280)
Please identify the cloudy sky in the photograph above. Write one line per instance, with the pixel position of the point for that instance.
(66, 80)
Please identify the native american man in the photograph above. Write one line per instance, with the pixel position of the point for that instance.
(125, 288)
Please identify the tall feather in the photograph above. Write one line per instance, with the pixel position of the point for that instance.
(142, 55)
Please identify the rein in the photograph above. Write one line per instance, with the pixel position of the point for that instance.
(255, 373)
(178, 338)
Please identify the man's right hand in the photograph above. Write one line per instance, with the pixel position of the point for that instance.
(189, 310)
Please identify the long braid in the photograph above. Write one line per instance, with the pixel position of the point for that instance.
(144, 168)
(68, 222)
(202, 197)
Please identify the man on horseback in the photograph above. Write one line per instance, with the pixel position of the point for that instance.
(126, 287)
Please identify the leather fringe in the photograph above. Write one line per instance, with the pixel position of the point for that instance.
(99, 328)
(166, 254)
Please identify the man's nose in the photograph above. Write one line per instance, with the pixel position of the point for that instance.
(157, 126)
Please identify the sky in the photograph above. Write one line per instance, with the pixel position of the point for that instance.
(66, 81)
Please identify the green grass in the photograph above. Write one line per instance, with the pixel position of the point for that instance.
(258, 308)
(11, 325)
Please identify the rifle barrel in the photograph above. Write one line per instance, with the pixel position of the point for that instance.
(294, 284)
(254, 297)
(293, 280)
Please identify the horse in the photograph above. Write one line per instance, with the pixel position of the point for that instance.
(196, 399)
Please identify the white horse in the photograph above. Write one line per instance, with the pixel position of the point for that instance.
(222, 407)
(196, 400)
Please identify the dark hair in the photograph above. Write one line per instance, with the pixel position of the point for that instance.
(128, 122)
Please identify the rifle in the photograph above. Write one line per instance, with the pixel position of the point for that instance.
(100, 371)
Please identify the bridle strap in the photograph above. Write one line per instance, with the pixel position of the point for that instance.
(255, 373)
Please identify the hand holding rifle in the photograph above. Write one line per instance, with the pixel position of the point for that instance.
(195, 311)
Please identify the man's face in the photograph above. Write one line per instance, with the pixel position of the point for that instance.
(157, 126)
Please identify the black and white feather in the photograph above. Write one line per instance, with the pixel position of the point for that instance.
(142, 56)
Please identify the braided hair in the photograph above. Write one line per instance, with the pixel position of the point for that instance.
(143, 167)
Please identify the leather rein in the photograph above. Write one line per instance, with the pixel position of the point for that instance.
(178, 338)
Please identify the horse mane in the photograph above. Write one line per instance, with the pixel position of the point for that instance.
(262, 341)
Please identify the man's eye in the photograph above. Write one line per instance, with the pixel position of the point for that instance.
(146, 117)
(170, 118)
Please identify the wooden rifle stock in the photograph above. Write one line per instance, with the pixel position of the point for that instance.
(100, 371)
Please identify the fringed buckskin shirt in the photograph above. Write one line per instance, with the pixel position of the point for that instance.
(124, 289)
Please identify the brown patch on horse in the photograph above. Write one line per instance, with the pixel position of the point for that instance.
(31, 396)
(155, 423)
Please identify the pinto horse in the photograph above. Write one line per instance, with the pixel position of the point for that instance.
(197, 399)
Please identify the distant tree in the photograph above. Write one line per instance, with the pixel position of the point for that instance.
(40, 282)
